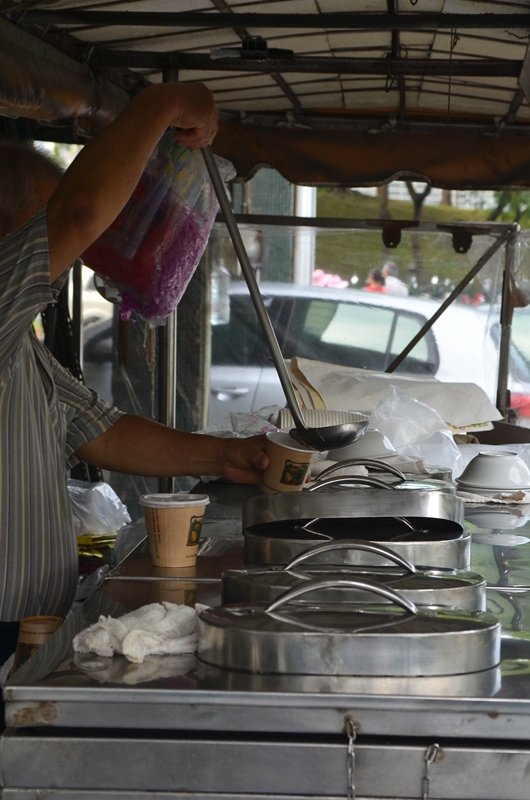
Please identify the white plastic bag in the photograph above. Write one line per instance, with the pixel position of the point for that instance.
(416, 430)
(96, 508)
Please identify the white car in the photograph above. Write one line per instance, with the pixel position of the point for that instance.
(353, 328)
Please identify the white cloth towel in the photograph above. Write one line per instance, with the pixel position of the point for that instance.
(154, 629)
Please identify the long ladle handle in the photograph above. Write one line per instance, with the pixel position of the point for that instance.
(255, 294)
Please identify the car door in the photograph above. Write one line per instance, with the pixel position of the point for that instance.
(242, 376)
(331, 329)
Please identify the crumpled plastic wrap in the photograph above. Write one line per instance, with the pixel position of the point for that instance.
(416, 430)
(96, 508)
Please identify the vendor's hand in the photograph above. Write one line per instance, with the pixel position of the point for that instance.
(243, 460)
(196, 121)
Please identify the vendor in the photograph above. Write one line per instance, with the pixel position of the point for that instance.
(48, 419)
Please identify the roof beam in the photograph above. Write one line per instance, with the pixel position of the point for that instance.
(408, 21)
(373, 125)
(72, 133)
(356, 66)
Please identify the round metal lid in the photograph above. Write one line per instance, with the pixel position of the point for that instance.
(485, 683)
(425, 586)
(397, 638)
(351, 504)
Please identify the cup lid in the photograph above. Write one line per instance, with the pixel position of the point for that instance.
(169, 500)
(284, 439)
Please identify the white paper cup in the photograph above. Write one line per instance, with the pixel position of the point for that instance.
(289, 465)
(173, 523)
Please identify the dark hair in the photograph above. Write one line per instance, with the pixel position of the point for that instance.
(377, 276)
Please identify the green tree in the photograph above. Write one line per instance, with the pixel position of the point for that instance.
(511, 206)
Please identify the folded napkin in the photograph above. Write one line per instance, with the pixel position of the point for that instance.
(503, 498)
(462, 406)
(154, 629)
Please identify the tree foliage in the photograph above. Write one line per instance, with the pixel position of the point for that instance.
(511, 206)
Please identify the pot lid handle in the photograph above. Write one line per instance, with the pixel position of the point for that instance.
(353, 544)
(372, 463)
(336, 583)
(351, 480)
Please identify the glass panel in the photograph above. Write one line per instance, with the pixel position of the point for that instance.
(239, 343)
(321, 312)
(406, 328)
(362, 326)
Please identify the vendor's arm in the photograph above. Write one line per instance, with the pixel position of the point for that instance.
(101, 179)
(141, 446)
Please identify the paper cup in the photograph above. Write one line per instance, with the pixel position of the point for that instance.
(173, 523)
(32, 633)
(289, 465)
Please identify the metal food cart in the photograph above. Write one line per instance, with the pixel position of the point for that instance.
(86, 727)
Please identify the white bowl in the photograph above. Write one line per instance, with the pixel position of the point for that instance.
(497, 519)
(497, 471)
(372, 444)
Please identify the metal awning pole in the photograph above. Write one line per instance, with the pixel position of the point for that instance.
(167, 362)
(506, 316)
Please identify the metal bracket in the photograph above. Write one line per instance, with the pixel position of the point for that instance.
(391, 232)
(351, 728)
(431, 756)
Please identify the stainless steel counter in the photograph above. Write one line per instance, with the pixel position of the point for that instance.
(85, 724)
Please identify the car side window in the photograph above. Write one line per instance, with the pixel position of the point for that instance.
(358, 335)
(408, 326)
(240, 342)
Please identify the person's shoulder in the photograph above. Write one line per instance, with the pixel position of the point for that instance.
(35, 228)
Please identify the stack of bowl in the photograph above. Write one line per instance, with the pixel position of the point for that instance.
(495, 472)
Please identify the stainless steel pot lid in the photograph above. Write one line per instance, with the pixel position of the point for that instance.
(396, 481)
(399, 638)
(354, 504)
(447, 550)
(389, 529)
(424, 586)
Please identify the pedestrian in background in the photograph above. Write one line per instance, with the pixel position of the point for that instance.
(375, 282)
(393, 283)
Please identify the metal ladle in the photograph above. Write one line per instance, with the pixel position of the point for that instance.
(327, 437)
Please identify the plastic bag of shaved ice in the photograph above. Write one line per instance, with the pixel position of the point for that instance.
(154, 245)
